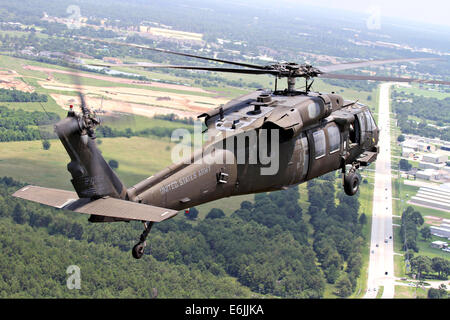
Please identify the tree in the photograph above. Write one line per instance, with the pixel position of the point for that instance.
(421, 265)
(417, 218)
(46, 144)
(362, 219)
(401, 138)
(76, 231)
(193, 213)
(440, 293)
(425, 232)
(19, 214)
(332, 265)
(409, 254)
(128, 132)
(405, 165)
(441, 266)
(215, 214)
(114, 164)
(344, 286)
(411, 219)
(246, 205)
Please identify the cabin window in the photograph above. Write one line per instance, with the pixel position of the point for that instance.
(319, 144)
(305, 148)
(334, 138)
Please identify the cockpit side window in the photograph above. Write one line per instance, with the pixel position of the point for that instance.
(362, 126)
(371, 126)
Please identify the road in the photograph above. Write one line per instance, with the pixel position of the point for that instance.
(381, 263)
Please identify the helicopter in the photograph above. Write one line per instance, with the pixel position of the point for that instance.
(263, 141)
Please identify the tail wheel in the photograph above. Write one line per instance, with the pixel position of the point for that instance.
(351, 183)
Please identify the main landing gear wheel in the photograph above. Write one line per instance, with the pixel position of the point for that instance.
(351, 183)
(351, 180)
(138, 249)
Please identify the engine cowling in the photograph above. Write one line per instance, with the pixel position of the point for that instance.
(291, 120)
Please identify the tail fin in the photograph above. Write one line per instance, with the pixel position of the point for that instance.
(92, 177)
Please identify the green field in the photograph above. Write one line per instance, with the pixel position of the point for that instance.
(425, 92)
(138, 159)
(406, 292)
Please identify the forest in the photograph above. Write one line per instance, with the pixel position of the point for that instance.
(20, 125)
(13, 95)
(263, 249)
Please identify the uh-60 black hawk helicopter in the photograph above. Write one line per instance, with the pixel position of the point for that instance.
(307, 134)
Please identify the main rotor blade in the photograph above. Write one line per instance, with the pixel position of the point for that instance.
(360, 64)
(216, 69)
(380, 78)
(79, 88)
(242, 64)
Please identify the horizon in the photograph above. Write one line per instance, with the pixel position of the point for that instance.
(405, 10)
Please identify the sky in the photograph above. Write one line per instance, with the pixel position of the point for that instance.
(429, 11)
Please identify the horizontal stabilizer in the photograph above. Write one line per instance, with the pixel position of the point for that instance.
(106, 206)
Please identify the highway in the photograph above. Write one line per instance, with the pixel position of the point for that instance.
(381, 263)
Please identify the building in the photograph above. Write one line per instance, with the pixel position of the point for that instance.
(434, 197)
(144, 28)
(425, 147)
(407, 152)
(435, 158)
(431, 165)
(440, 232)
(112, 60)
(425, 139)
(439, 244)
(428, 174)
(410, 144)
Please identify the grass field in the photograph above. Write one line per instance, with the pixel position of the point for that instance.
(399, 266)
(425, 92)
(366, 205)
(406, 292)
(138, 158)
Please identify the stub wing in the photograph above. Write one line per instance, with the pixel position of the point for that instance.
(102, 210)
